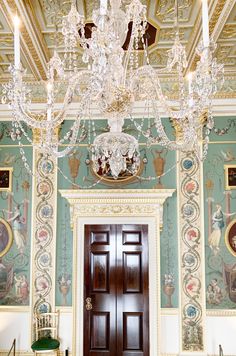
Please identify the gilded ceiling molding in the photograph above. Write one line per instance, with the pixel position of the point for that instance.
(36, 28)
(30, 52)
(217, 12)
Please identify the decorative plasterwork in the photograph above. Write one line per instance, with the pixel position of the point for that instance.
(141, 202)
(38, 30)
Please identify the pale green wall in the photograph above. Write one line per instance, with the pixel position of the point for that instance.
(213, 170)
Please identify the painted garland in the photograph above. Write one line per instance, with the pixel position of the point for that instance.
(44, 264)
(192, 297)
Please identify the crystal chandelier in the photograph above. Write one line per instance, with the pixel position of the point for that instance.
(114, 81)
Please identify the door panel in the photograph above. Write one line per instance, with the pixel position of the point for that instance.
(132, 291)
(133, 331)
(100, 286)
(100, 330)
(100, 271)
(116, 280)
(132, 267)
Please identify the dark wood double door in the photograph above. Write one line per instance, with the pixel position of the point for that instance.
(116, 311)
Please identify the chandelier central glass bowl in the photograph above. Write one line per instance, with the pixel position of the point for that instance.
(114, 81)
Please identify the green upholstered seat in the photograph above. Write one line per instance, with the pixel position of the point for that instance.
(44, 344)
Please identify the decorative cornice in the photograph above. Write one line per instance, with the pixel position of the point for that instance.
(101, 194)
(118, 202)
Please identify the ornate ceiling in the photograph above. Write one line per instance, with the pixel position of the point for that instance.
(38, 19)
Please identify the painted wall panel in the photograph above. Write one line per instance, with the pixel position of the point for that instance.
(15, 209)
(220, 212)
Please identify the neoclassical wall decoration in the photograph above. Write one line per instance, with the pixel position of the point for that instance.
(44, 232)
(192, 275)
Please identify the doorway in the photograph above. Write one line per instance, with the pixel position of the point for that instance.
(116, 290)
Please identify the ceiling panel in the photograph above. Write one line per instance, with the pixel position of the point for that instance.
(40, 16)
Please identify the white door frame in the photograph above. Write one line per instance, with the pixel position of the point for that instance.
(116, 207)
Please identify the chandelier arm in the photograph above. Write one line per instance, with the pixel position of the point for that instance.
(38, 123)
(149, 72)
(58, 154)
(51, 147)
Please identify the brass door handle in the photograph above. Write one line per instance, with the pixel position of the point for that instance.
(88, 304)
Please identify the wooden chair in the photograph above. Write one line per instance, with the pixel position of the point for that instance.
(46, 328)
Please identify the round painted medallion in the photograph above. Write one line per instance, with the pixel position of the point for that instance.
(44, 188)
(188, 210)
(46, 166)
(189, 259)
(42, 284)
(45, 259)
(46, 211)
(187, 164)
(191, 187)
(191, 311)
(42, 234)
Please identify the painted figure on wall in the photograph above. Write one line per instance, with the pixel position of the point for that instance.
(217, 226)
(18, 226)
(21, 287)
(3, 237)
(214, 293)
